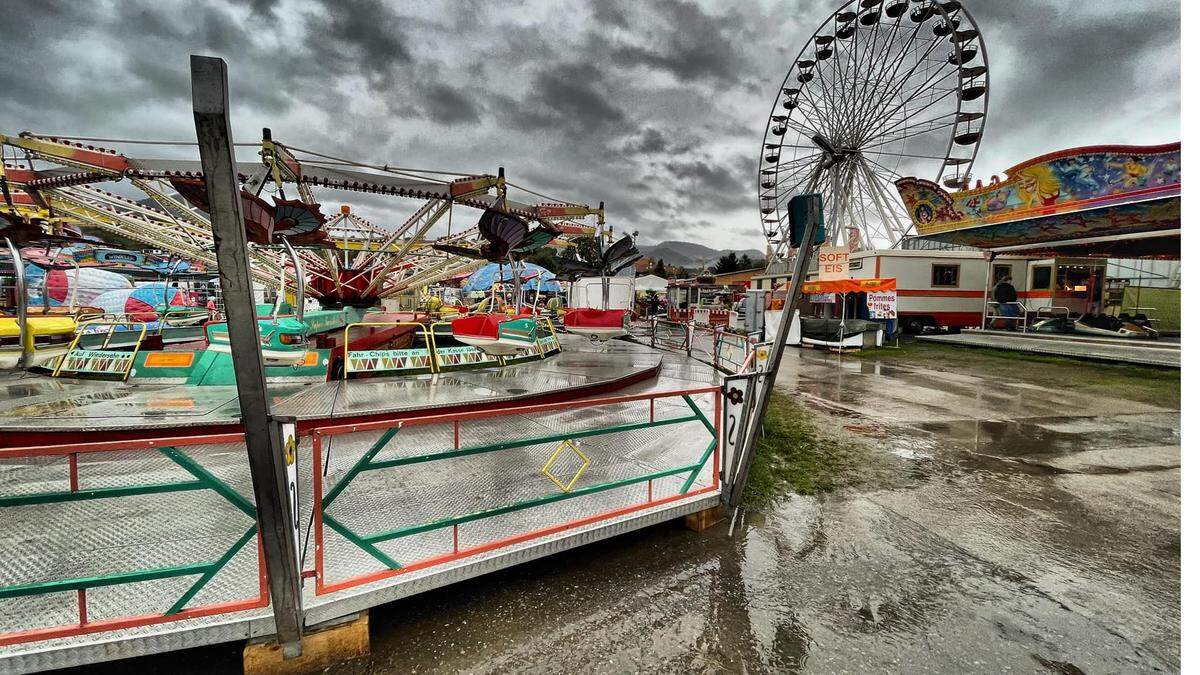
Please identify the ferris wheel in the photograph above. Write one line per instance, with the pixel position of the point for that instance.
(882, 90)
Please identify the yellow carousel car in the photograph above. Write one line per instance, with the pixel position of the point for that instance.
(48, 338)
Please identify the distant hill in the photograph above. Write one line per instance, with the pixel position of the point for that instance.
(689, 254)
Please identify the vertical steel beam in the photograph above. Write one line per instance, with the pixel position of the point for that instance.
(767, 382)
(21, 300)
(268, 470)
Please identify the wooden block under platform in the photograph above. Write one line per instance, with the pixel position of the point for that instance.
(702, 520)
(323, 647)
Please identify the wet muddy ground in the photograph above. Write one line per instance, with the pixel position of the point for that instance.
(1023, 526)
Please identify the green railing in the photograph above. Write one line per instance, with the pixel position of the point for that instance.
(369, 461)
(202, 479)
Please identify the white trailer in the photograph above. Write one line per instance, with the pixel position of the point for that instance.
(949, 289)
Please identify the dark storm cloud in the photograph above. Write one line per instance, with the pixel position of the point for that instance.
(572, 95)
(650, 141)
(678, 38)
(448, 104)
(656, 108)
(705, 175)
(366, 31)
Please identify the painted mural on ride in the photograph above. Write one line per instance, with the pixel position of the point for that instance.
(1080, 181)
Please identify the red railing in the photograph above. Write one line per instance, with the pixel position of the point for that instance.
(322, 499)
(202, 479)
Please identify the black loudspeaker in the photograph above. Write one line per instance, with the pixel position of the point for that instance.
(805, 211)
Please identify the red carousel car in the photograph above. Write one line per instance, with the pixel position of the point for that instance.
(597, 324)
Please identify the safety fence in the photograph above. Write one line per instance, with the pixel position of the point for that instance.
(393, 497)
(123, 534)
(666, 334)
(112, 535)
(725, 350)
(703, 316)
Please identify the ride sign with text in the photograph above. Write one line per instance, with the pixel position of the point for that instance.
(833, 263)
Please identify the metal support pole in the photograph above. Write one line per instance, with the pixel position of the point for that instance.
(300, 289)
(767, 382)
(21, 299)
(268, 468)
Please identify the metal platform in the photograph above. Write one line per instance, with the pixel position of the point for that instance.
(406, 508)
(38, 403)
(1114, 350)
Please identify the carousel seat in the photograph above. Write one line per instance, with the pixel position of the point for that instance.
(495, 334)
(596, 324)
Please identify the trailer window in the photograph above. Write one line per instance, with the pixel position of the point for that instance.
(945, 275)
(1001, 272)
(1041, 278)
(856, 264)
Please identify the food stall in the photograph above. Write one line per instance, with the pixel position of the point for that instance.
(865, 310)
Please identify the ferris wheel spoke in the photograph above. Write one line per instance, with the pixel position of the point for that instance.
(890, 174)
(793, 178)
(822, 116)
(796, 166)
(904, 154)
(801, 128)
(808, 181)
(895, 89)
(856, 54)
(837, 74)
(831, 105)
(896, 103)
(891, 133)
(898, 88)
(907, 133)
(898, 60)
(878, 58)
(881, 194)
(924, 107)
(930, 85)
(881, 182)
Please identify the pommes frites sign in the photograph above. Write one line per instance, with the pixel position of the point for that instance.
(882, 304)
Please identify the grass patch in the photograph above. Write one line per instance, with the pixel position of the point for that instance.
(796, 455)
(1144, 384)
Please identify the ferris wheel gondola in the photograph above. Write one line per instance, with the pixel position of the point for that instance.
(881, 90)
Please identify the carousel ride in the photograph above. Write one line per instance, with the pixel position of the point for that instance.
(603, 323)
(61, 195)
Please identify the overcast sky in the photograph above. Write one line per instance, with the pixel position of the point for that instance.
(657, 108)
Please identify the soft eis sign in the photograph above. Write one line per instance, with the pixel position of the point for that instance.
(833, 263)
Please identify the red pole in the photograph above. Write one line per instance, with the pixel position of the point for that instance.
(318, 521)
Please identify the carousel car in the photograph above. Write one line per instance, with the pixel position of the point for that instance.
(597, 324)
(47, 338)
(284, 340)
(495, 334)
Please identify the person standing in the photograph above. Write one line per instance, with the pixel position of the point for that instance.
(1005, 296)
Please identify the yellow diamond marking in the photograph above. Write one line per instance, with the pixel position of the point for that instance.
(558, 451)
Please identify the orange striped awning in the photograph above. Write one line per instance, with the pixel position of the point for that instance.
(849, 286)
